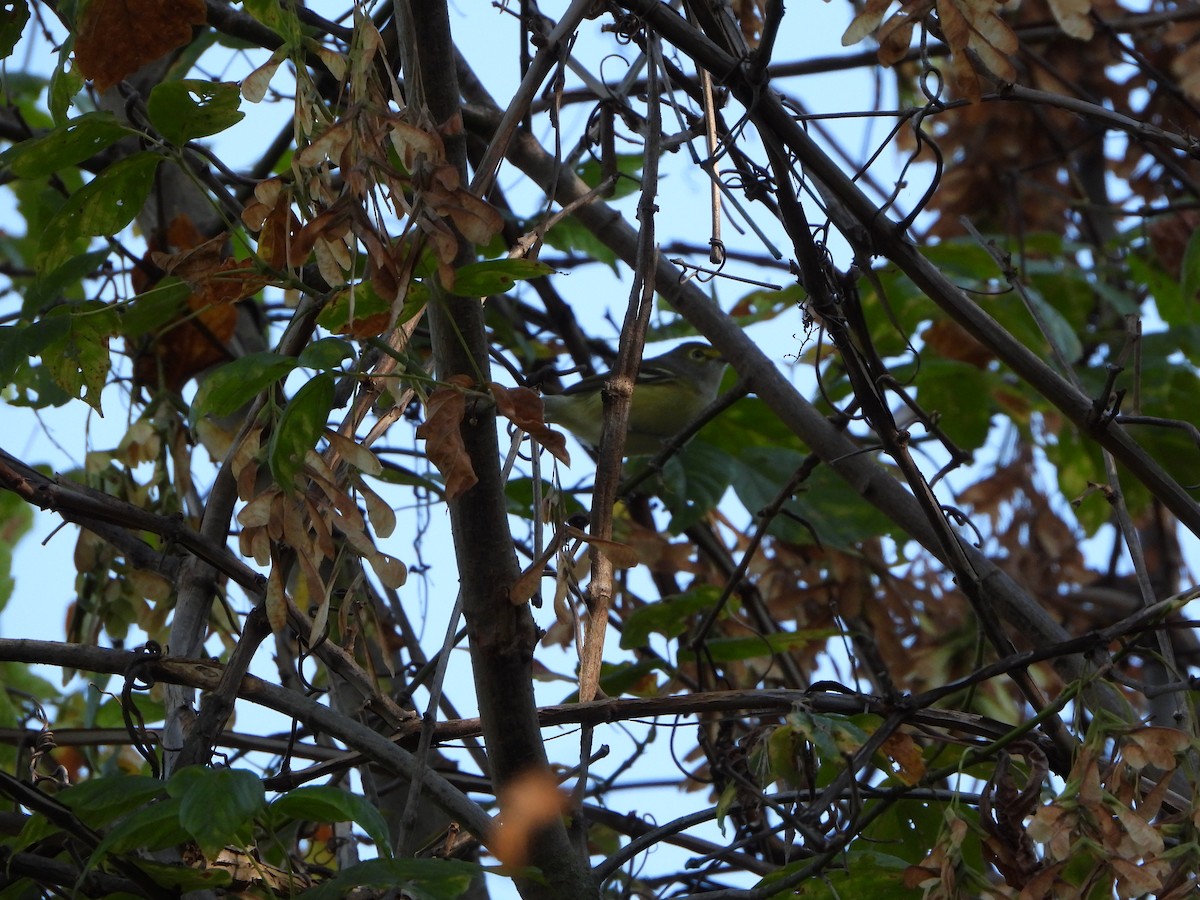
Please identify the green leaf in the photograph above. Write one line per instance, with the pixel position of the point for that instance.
(1189, 273)
(725, 803)
(192, 108)
(185, 879)
(519, 494)
(369, 309)
(13, 16)
(67, 145)
(149, 828)
(833, 736)
(1166, 291)
(99, 801)
(65, 83)
(154, 308)
(1059, 332)
(961, 395)
(628, 165)
(234, 385)
(19, 342)
(637, 679)
(325, 803)
(1079, 464)
(671, 616)
(421, 879)
(738, 649)
(17, 678)
(496, 276)
(78, 360)
(111, 713)
(825, 507)
(864, 874)
(280, 19)
(16, 518)
(216, 803)
(326, 353)
(570, 235)
(299, 427)
(764, 304)
(909, 827)
(50, 289)
(694, 481)
(104, 205)
(36, 389)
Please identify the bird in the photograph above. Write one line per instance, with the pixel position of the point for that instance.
(671, 390)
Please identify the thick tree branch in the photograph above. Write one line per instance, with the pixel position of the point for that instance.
(502, 633)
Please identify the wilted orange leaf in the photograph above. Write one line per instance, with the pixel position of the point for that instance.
(442, 434)
(951, 341)
(213, 279)
(200, 338)
(904, 752)
(118, 37)
(528, 803)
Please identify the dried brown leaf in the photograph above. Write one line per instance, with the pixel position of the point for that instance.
(391, 571)
(622, 556)
(257, 512)
(276, 601)
(275, 234)
(895, 36)
(524, 409)
(328, 145)
(865, 22)
(954, 25)
(411, 142)
(323, 536)
(526, 585)
(1154, 746)
(118, 37)
(442, 433)
(254, 85)
(354, 453)
(382, 516)
(476, 219)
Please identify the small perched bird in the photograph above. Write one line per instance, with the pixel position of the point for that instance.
(670, 391)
